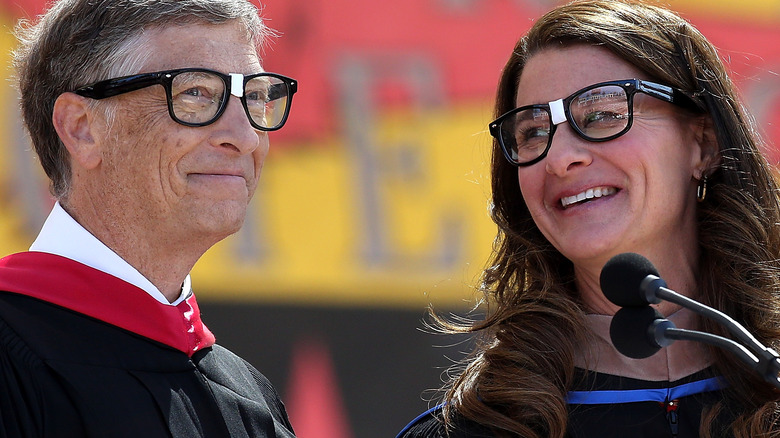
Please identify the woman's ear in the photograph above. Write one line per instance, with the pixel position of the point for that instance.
(708, 150)
(74, 124)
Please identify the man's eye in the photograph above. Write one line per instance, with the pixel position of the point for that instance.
(197, 92)
(255, 96)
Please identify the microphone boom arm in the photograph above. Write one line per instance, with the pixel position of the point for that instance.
(768, 369)
(766, 361)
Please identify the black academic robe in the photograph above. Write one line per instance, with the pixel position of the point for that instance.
(85, 354)
(607, 406)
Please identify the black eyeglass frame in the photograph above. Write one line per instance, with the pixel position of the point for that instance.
(631, 86)
(125, 84)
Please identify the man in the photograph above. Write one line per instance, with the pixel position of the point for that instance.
(151, 119)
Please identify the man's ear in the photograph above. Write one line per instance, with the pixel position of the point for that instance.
(74, 124)
(708, 149)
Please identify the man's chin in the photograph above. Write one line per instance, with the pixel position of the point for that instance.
(220, 222)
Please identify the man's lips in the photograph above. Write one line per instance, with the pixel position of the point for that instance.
(586, 195)
(219, 173)
(219, 180)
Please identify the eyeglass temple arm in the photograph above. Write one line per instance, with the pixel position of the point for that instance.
(113, 87)
(278, 91)
(670, 94)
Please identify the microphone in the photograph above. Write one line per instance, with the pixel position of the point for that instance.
(640, 332)
(632, 282)
(626, 278)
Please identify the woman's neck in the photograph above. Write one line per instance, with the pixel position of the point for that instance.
(674, 362)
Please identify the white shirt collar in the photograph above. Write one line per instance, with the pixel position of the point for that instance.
(63, 236)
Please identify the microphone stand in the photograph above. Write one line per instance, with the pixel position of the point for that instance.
(766, 361)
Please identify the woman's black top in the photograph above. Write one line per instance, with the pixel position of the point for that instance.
(605, 406)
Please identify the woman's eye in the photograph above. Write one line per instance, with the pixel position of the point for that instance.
(532, 133)
(599, 117)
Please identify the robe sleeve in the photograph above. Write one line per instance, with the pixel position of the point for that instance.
(31, 397)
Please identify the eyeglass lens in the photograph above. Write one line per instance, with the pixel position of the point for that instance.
(197, 96)
(595, 114)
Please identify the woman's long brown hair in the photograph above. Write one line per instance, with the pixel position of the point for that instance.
(517, 379)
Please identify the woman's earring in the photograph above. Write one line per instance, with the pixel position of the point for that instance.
(701, 189)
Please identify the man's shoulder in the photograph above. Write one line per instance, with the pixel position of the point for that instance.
(222, 366)
(231, 370)
(44, 341)
(34, 319)
(57, 333)
(235, 376)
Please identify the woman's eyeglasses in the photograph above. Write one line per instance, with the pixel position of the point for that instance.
(198, 97)
(599, 112)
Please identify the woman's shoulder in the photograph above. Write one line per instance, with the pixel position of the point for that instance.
(430, 424)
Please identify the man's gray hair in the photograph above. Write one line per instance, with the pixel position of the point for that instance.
(77, 42)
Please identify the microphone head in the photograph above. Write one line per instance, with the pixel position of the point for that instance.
(630, 331)
(621, 279)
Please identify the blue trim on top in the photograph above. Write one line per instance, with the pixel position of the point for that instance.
(640, 395)
(620, 396)
(418, 418)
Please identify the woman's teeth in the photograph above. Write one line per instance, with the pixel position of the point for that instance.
(597, 192)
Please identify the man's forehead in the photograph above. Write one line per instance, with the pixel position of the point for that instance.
(227, 48)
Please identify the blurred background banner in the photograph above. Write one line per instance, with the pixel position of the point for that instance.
(373, 201)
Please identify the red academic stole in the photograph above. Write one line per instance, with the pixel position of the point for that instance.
(78, 287)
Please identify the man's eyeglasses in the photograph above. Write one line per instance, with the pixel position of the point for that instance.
(198, 97)
(599, 112)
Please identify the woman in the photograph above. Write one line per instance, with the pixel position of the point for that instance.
(619, 130)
